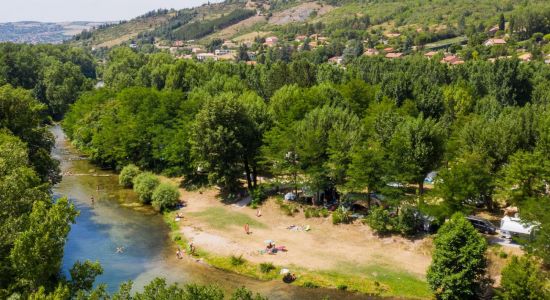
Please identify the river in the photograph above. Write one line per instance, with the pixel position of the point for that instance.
(115, 219)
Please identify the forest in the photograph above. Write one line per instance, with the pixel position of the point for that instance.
(376, 126)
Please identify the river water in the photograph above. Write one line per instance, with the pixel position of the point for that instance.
(116, 220)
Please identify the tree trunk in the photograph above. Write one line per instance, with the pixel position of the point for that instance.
(254, 175)
(421, 187)
(247, 171)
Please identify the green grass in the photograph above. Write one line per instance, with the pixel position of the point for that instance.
(220, 218)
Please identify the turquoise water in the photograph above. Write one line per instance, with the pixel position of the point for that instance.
(115, 220)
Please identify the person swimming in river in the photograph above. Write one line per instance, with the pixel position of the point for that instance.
(120, 249)
(93, 201)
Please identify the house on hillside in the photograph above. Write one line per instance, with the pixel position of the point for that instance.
(300, 38)
(526, 57)
(493, 30)
(222, 51)
(271, 41)
(371, 52)
(430, 54)
(494, 42)
(206, 56)
(452, 60)
(336, 60)
(394, 55)
(178, 43)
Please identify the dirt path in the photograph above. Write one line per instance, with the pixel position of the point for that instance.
(324, 247)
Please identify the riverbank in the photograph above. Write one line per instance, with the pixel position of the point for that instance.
(346, 257)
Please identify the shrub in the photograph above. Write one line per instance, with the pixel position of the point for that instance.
(522, 278)
(144, 185)
(245, 294)
(310, 284)
(165, 196)
(237, 260)
(266, 267)
(502, 254)
(408, 223)
(324, 212)
(341, 215)
(379, 220)
(127, 175)
(342, 287)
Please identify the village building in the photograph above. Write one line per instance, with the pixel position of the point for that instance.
(526, 57)
(178, 43)
(300, 38)
(336, 60)
(430, 54)
(206, 56)
(393, 55)
(222, 51)
(494, 42)
(271, 41)
(371, 52)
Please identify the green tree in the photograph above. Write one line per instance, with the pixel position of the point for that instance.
(38, 251)
(522, 279)
(83, 275)
(458, 261)
(468, 177)
(525, 176)
(127, 175)
(417, 148)
(501, 22)
(144, 185)
(165, 196)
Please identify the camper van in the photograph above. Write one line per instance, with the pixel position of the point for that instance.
(511, 226)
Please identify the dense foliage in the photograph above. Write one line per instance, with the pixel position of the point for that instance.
(165, 196)
(523, 279)
(458, 267)
(56, 74)
(374, 125)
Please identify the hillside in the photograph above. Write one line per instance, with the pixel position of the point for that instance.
(427, 21)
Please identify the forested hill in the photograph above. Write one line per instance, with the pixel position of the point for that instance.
(421, 21)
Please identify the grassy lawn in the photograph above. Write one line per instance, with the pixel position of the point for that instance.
(373, 280)
(220, 218)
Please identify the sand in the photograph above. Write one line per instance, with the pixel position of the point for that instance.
(324, 247)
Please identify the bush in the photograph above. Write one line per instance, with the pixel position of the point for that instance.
(127, 175)
(342, 287)
(522, 278)
(407, 222)
(310, 284)
(503, 254)
(266, 267)
(165, 196)
(144, 185)
(245, 294)
(379, 220)
(237, 260)
(341, 215)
